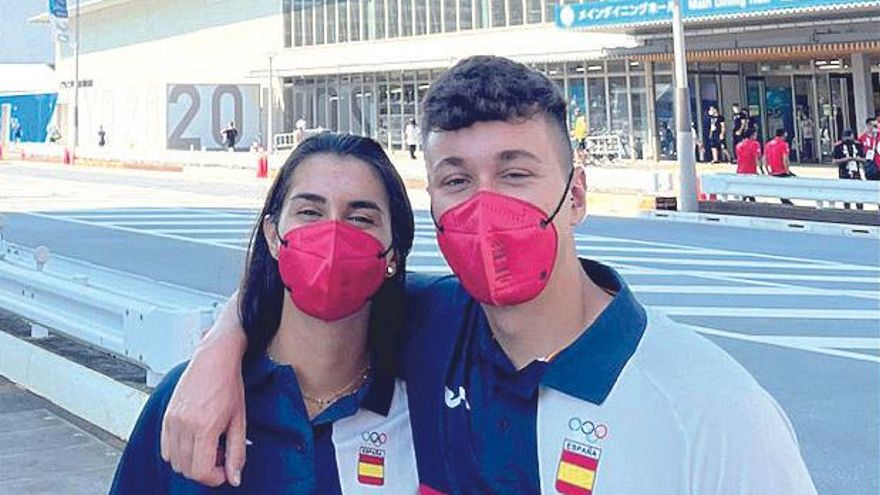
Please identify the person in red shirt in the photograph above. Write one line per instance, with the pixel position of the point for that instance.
(748, 157)
(776, 154)
(870, 140)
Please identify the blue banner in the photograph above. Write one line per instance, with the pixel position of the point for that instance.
(709, 8)
(608, 13)
(58, 8)
(612, 13)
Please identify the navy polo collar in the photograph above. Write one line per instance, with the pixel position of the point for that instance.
(590, 366)
(375, 396)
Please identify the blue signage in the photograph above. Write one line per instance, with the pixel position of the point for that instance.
(612, 13)
(709, 8)
(609, 13)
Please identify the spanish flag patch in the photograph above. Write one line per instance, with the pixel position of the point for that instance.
(371, 466)
(576, 474)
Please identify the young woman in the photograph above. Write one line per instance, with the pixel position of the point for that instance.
(321, 304)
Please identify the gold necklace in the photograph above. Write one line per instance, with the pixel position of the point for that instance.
(353, 385)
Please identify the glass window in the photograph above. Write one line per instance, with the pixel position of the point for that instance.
(499, 13)
(308, 22)
(465, 14)
(342, 12)
(533, 11)
(664, 109)
(616, 66)
(618, 96)
(550, 10)
(662, 67)
(639, 108)
(406, 13)
(321, 105)
(384, 110)
(395, 129)
(357, 105)
(449, 23)
(319, 22)
(595, 67)
(576, 100)
(635, 66)
(393, 18)
(596, 99)
(516, 12)
(288, 22)
(354, 20)
(481, 8)
(330, 12)
(296, 19)
(421, 16)
(343, 97)
(436, 16)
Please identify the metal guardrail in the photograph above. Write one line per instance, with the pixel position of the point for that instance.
(825, 192)
(154, 324)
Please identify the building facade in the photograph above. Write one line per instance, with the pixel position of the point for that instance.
(363, 66)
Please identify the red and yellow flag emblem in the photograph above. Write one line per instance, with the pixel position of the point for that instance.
(371, 466)
(576, 474)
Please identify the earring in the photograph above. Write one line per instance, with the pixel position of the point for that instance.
(390, 271)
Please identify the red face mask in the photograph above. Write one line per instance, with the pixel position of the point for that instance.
(331, 269)
(501, 248)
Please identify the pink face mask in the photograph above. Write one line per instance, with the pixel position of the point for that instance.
(501, 248)
(331, 269)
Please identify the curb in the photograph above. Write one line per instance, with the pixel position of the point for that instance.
(780, 224)
(96, 398)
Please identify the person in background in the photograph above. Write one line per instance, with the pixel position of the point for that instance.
(102, 136)
(716, 129)
(870, 141)
(740, 127)
(807, 136)
(776, 154)
(849, 156)
(748, 157)
(411, 135)
(230, 136)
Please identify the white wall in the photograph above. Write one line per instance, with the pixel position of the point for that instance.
(131, 52)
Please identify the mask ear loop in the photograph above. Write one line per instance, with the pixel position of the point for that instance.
(434, 219)
(548, 221)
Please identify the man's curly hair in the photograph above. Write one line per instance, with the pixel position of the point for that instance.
(488, 89)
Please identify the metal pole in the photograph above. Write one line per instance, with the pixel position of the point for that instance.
(687, 172)
(76, 84)
(270, 141)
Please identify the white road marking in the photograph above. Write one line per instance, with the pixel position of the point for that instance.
(749, 312)
(834, 347)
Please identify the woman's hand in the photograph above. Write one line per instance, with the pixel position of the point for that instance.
(208, 402)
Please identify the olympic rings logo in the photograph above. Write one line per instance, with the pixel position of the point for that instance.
(593, 432)
(377, 439)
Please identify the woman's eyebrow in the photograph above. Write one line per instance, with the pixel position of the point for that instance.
(315, 198)
(364, 204)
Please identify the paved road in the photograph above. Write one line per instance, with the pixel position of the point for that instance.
(800, 311)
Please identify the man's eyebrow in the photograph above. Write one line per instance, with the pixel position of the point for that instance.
(449, 161)
(510, 155)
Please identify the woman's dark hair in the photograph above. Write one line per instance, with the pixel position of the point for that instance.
(262, 290)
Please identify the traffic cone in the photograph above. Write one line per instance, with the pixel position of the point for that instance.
(701, 196)
(262, 166)
(67, 159)
(1, 151)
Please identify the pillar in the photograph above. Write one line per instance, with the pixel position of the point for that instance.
(862, 88)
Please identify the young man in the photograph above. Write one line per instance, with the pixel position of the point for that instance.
(532, 371)
(740, 126)
(776, 154)
(870, 141)
(716, 128)
(748, 157)
(849, 157)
